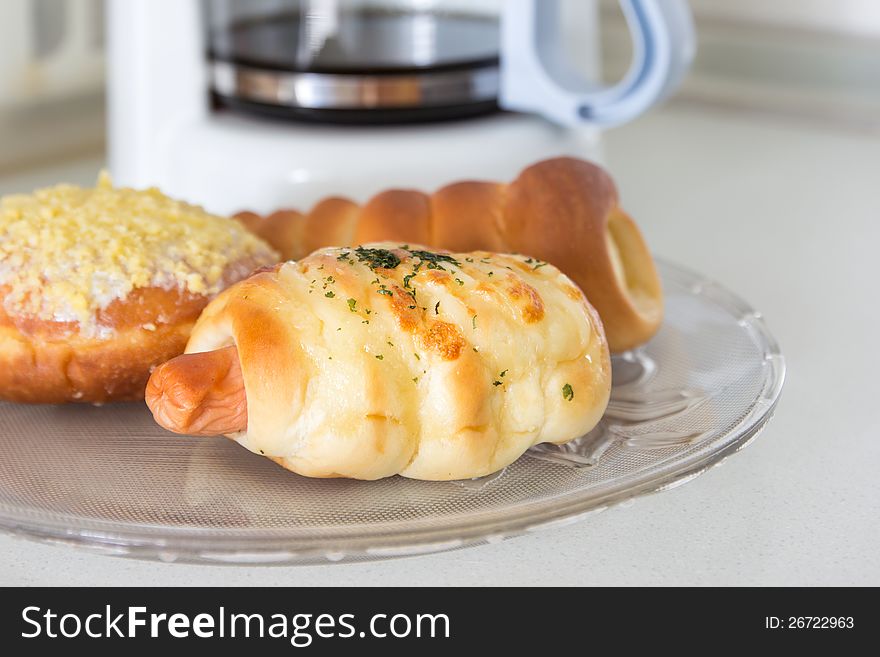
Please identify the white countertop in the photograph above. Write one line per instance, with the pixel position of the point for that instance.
(786, 214)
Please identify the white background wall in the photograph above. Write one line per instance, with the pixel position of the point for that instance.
(848, 16)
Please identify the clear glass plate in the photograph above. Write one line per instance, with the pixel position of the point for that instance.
(108, 478)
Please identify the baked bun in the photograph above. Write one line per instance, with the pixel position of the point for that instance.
(390, 359)
(97, 286)
(564, 211)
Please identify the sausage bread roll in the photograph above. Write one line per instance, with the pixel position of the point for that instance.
(392, 359)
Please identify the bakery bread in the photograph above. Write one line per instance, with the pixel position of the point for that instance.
(564, 211)
(97, 286)
(392, 359)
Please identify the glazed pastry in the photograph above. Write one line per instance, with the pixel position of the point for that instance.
(390, 359)
(564, 211)
(97, 286)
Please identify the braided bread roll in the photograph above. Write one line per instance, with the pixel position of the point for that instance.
(384, 360)
(564, 211)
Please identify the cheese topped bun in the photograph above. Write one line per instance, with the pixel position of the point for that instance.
(98, 285)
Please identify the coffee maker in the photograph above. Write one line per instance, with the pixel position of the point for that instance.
(277, 103)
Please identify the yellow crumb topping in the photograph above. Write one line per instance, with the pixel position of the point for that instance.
(68, 251)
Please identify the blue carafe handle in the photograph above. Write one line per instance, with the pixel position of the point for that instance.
(537, 77)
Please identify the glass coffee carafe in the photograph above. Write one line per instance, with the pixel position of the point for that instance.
(367, 61)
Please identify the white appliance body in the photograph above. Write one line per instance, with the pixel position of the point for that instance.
(163, 131)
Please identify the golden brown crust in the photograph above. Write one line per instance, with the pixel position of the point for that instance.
(142, 306)
(332, 221)
(564, 211)
(455, 210)
(442, 338)
(549, 215)
(35, 369)
(395, 215)
(283, 229)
